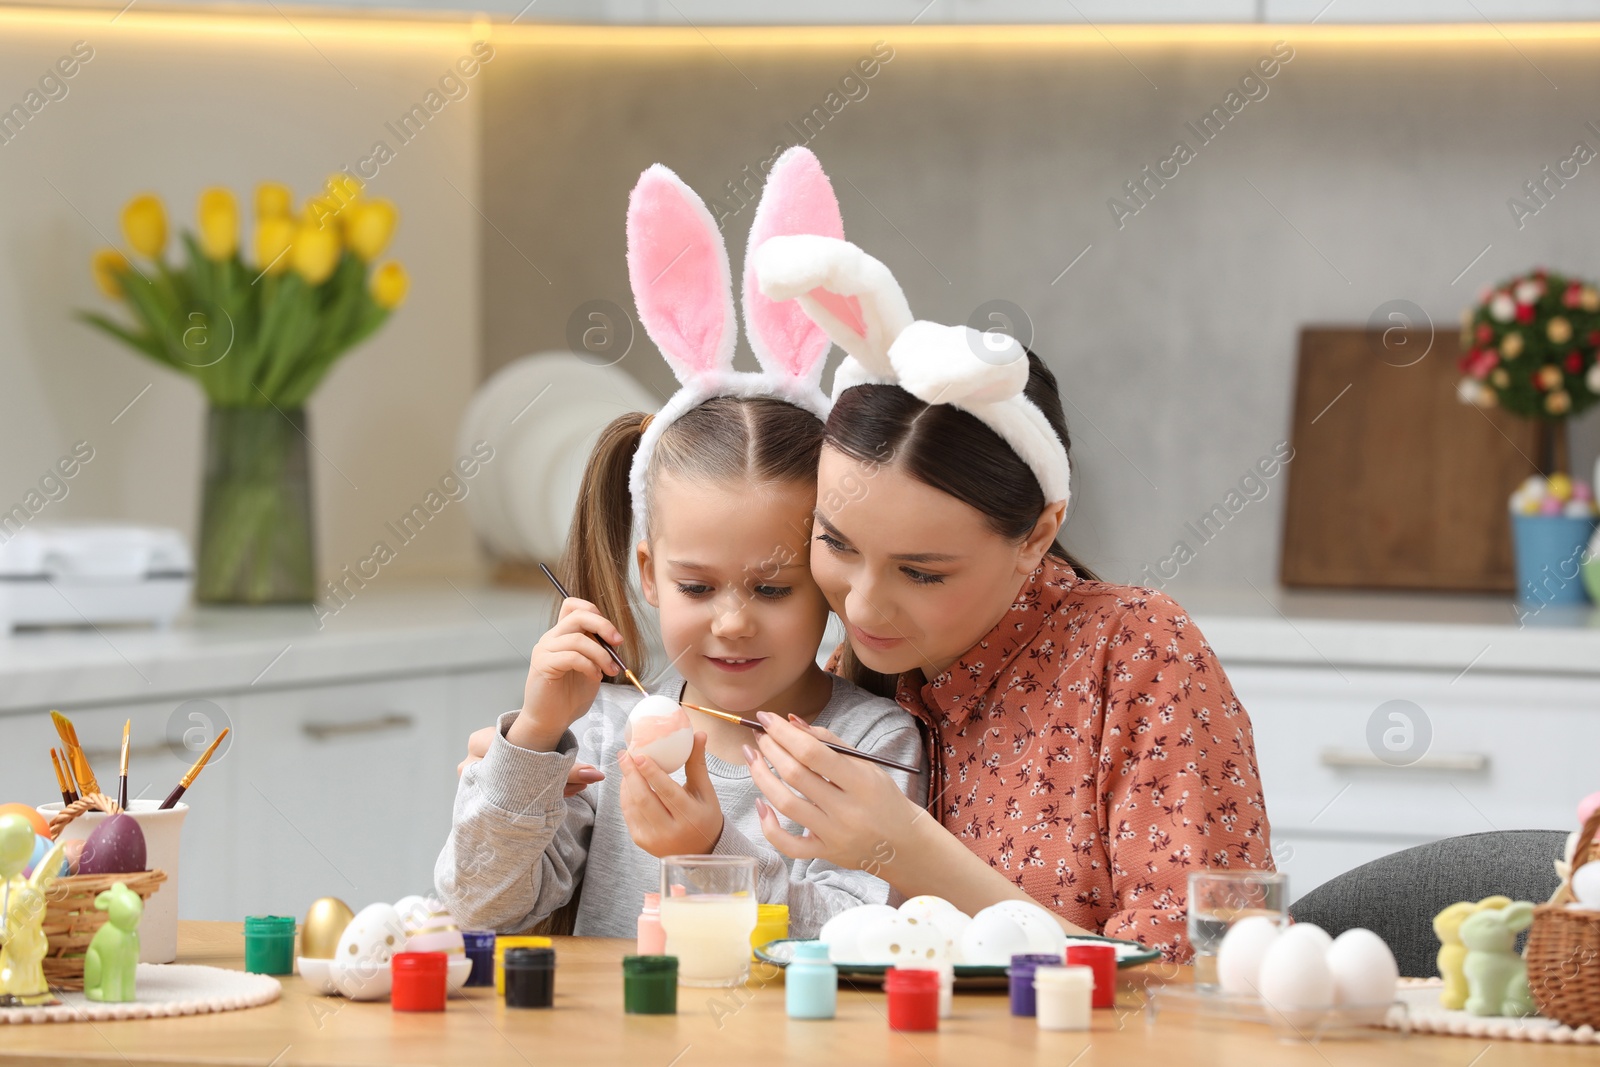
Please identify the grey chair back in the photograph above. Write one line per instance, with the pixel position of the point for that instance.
(1397, 896)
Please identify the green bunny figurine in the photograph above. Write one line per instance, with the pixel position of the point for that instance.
(22, 980)
(1452, 953)
(1497, 977)
(113, 957)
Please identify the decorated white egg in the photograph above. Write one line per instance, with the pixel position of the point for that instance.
(925, 907)
(993, 937)
(1364, 974)
(1045, 936)
(1295, 978)
(900, 941)
(360, 967)
(430, 928)
(1243, 948)
(840, 932)
(658, 727)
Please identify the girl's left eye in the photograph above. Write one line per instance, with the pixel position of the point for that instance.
(694, 589)
(922, 577)
(773, 592)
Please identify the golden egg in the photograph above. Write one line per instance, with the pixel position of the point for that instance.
(325, 922)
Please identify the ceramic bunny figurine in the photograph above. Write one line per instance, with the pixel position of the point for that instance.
(113, 958)
(1452, 953)
(22, 978)
(1497, 977)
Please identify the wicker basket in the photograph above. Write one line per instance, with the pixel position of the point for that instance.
(1563, 952)
(70, 917)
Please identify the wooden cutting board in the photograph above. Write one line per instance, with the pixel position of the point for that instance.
(1395, 484)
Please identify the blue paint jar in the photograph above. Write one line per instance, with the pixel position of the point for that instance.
(480, 950)
(811, 982)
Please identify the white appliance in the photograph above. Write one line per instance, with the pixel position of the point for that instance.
(77, 574)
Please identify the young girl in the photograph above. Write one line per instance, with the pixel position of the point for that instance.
(1087, 747)
(722, 484)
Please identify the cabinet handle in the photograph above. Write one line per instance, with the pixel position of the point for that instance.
(321, 731)
(1433, 761)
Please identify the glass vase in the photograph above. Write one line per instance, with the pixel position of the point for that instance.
(255, 520)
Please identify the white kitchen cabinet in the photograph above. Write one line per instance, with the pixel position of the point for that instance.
(1357, 763)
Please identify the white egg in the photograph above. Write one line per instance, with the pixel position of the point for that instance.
(993, 937)
(900, 941)
(430, 928)
(1045, 936)
(360, 967)
(413, 912)
(663, 731)
(839, 933)
(953, 925)
(1364, 974)
(1586, 884)
(1240, 954)
(925, 907)
(1295, 979)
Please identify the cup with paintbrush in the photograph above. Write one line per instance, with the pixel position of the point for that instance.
(159, 820)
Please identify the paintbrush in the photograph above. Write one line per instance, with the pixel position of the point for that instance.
(122, 779)
(82, 773)
(728, 716)
(67, 794)
(194, 772)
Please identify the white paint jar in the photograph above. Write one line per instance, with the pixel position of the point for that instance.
(1063, 995)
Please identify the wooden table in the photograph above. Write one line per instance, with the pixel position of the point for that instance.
(746, 1027)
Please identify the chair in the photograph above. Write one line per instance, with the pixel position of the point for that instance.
(1397, 896)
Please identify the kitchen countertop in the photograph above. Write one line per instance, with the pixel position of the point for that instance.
(426, 626)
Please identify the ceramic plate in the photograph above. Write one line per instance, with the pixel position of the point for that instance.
(1129, 954)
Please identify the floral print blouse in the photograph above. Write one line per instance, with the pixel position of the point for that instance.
(1091, 748)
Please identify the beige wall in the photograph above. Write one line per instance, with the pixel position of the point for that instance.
(174, 110)
(978, 171)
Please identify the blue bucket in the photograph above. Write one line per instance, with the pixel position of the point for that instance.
(1551, 550)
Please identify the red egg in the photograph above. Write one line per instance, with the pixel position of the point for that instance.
(30, 813)
(116, 846)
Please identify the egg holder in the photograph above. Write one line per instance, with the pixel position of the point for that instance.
(70, 917)
(1563, 949)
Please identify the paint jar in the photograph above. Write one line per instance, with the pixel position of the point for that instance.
(811, 982)
(913, 999)
(772, 924)
(269, 944)
(1021, 972)
(650, 985)
(418, 980)
(480, 950)
(1063, 995)
(530, 977)
(504, 944)
(1102, 960)
(652, 938)
(947, 981)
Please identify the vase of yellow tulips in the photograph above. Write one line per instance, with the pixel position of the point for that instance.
(258, 333)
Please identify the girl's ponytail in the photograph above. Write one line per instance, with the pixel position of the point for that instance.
(594, 565)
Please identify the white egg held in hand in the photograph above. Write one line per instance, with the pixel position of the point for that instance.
(658, 727)
(1295, 978)
(1365, 974)
(1243, 948)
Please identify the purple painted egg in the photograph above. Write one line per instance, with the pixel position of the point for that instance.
(116, 846)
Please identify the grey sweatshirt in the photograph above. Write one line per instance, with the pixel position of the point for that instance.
(517, 850)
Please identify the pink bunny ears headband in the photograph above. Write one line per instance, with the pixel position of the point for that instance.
(683, 288)
(857, 301)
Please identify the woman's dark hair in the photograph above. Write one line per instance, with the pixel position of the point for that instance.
(955, 452)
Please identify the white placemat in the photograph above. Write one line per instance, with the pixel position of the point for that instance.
(163, 989)
(1425, 1014)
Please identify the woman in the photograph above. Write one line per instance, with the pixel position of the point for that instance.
(1086, 746)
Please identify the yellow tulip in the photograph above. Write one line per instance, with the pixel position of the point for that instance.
(369, 226)
(389, 285)
(274, 236)
(343, 188)
(144, 224)
(108, 266)
(315, 252)
(273, 200)
(219, 223)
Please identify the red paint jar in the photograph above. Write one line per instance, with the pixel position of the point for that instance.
(913, 999)
(419, 981)
(1102, 960)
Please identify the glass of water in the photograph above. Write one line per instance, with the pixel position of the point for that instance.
(1217, 900)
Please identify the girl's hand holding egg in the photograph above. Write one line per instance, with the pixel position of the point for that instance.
(564, 675)
(663, 817)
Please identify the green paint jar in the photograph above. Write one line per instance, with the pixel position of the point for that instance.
(650, 985)
(269, 944)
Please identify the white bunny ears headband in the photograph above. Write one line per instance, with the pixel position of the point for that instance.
(683, 289)
(857, 301)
